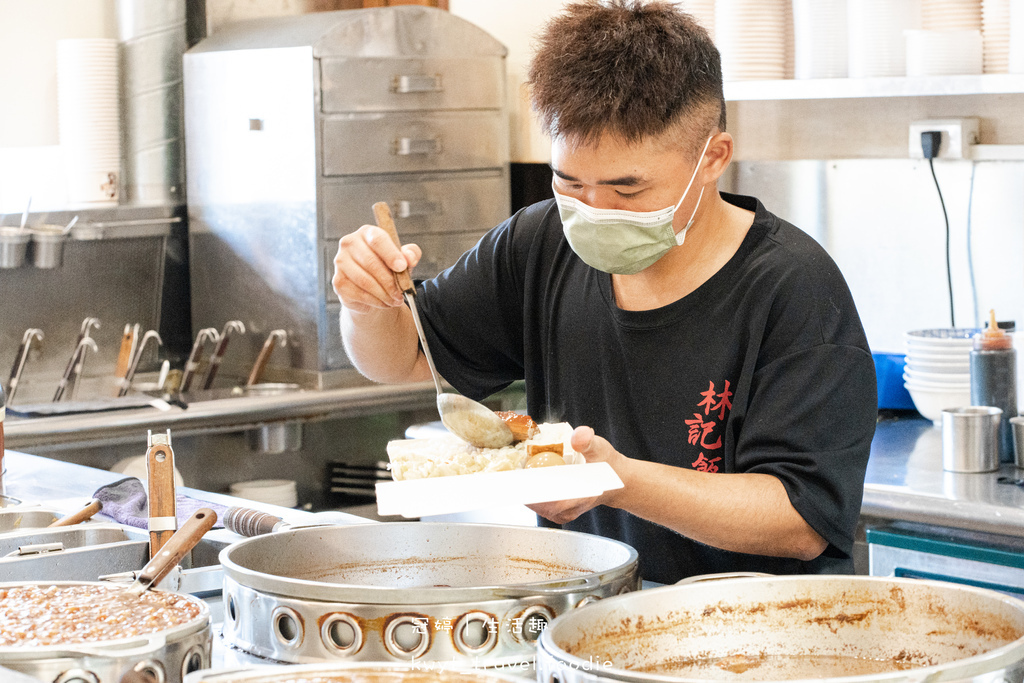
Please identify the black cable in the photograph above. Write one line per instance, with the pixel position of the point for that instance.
(949, 275)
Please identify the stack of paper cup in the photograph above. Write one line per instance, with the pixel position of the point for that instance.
(751, 35)
(951, 15)
(876, 41)
(995, 34)
(820, 38)
(1017, 39)
(87, 109)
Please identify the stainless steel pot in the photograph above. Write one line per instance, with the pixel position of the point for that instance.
(836, 628)
(409, 591)
(166, 655)
(349, 672)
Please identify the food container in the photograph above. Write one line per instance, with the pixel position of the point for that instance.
(835, 628)
(13, 247)
(352, 673)
(413, 591)
(970, 439)
(167, 655)
(47, 245)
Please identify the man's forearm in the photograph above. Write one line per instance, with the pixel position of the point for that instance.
(747, 513)
(383, 346)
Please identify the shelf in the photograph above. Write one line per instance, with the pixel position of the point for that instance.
(840, 88)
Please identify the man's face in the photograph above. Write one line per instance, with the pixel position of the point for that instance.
(613, 174)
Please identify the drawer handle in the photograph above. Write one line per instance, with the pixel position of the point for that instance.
(413, 84)
(409, 146)
(422, 207)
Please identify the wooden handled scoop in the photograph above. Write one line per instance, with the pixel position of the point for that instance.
(463, 417)
(82, 515)
(183, 540)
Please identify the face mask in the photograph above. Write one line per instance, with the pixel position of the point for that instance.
(620, 241)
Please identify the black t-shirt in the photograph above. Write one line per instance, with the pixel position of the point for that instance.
(763, 368)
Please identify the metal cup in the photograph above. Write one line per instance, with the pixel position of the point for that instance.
(1017, 425)
(13, 247)
(970, 439)
(47, 245)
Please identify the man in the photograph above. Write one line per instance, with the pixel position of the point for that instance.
(706, 349)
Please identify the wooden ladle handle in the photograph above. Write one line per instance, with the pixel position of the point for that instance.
(80, 516)
(382, 212)
(183, 540)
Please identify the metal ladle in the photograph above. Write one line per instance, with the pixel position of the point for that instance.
(465, 418)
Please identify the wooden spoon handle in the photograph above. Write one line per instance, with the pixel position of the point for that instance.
(183, 540)
(162, 503)
(382, 213)
(85, 513)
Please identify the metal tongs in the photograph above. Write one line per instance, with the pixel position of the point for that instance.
(264, 356)
(19, 361)
(76, 364)
(222, 346)
(192, 364)
(136, 356)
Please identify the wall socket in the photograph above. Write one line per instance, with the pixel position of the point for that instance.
(958, 135)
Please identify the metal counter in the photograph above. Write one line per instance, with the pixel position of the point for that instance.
(219, 413)
(905, 481)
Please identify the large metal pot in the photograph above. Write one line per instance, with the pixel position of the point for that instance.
(409, 591)
(839, 628)
(167, 655)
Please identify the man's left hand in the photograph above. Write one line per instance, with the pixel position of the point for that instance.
(594, 449)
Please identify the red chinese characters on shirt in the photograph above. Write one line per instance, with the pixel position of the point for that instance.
(712, 410)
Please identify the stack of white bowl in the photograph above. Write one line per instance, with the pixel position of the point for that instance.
(943, 53)
(819, 33)
(938, 370)
(995, 32)
(951, 15)
(88, 118)
(703, 11)
(750, 34)
(877, 46)
(280, 492)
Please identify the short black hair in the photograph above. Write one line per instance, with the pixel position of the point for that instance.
(632, 68)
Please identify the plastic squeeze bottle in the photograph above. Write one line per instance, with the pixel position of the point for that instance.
(994, 379)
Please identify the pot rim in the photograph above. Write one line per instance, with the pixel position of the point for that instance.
(112, 647)
(992, 660)
(280, 672)
(426, 595)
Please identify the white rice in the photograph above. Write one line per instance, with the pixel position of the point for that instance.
(448, 455)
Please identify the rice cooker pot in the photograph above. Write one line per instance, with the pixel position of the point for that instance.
(413, 591)
(166, 655)
(941, 630)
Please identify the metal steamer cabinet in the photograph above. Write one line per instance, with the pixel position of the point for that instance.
(295, 126)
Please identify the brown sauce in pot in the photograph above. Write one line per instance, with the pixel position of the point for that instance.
(41, 615)
(379, 677)
(776, 667)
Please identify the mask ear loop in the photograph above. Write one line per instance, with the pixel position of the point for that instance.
(681, 235)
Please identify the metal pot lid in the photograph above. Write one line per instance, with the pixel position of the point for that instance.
(396, 563)
(666, 625)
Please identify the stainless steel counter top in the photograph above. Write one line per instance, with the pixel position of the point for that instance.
(905, 481)
(66, 487)
(219, 412)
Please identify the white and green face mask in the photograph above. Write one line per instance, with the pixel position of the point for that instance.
(620, 241)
